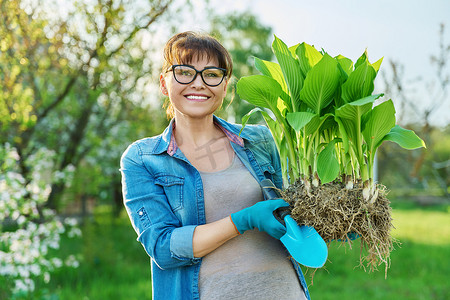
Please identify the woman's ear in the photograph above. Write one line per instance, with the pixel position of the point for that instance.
(162, 85)
(225, 87)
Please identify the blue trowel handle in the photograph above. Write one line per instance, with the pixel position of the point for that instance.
(282, 212)
(269, 189)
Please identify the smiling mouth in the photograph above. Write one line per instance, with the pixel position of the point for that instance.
(197, 98)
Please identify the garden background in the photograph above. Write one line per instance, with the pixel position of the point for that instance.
(79, 83)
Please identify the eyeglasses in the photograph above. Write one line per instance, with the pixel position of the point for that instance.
(211, 76)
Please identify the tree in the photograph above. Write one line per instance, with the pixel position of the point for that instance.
(67, 81)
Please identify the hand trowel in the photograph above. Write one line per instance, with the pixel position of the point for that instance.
(303, 242)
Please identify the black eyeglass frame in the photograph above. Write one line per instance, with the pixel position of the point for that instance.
(172, 67)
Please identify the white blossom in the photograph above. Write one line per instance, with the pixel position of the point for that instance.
(74, 232)
(57, 262)
(21, 286)
(24, 255)
(46, 277)
(71, 261)
(71, 222)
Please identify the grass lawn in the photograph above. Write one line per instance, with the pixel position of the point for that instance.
(419, 266)
(115, 266)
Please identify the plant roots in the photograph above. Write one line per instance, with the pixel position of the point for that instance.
(335, 211)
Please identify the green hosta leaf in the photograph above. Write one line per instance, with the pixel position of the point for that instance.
(282, 106)
(308, 57)
(273, 70)
(321, 83)
(291, 70)
(349, 118)
(379, 121)
(274, 127)
(293, 50)
(346, 130)
(345, 63)
(284, 159)
(311, 122)
(345, 66)
(327, 163)
(354, 110)
(277, 133)
(364, 58)
(328, 123)
(260, 90)
(247, 116)
(298, 120)
(360, 83)
(404, 138)
(376, 65)
(280, 140)
(313, 125)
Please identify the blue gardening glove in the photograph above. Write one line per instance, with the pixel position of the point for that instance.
(260, 216)
(350, 236)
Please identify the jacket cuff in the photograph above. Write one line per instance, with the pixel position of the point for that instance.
(181, 242)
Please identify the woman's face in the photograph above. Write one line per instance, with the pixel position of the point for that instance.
(196, 99)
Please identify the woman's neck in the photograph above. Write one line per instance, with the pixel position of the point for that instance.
(205, 145)
(195, 132)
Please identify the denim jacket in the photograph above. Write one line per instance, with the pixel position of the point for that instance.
(163, 196)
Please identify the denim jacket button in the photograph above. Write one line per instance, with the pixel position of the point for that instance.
(141, 213)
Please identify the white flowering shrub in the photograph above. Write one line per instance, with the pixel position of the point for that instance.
(28, 229)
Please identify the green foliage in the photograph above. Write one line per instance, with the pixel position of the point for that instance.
(328, 167)
(327, 124)
(291, 71)
(321, 84)
(71, 82)
(403, 137)
(28, 70)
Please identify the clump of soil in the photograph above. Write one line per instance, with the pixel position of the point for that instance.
(337, 213)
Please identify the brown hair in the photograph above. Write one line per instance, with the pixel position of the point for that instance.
(186, 46)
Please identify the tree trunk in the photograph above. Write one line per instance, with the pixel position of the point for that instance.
(117, 197)
(70, 154)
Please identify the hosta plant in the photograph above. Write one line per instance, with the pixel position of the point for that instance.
(322, 114)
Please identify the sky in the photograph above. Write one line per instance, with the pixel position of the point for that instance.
(405, 31)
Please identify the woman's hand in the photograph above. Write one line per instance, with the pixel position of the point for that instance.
(260, 216)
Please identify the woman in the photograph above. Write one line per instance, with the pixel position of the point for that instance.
(193, 193)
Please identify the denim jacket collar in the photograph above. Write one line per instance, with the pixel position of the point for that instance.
(168, 144)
